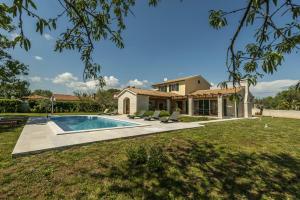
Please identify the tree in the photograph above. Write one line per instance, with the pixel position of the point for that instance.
(272, 41)
(11, 85)
(91, 21)
(286, 100)
(44, 93)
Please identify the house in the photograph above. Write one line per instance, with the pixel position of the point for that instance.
(190, 95)
(65, 97)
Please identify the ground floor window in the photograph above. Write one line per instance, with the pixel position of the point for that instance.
(206, 107)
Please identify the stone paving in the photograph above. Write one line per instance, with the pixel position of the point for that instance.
(37, 135)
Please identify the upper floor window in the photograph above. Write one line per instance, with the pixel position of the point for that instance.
(174, 87)
(163, 88)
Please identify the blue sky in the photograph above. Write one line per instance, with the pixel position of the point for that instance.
(171, 40)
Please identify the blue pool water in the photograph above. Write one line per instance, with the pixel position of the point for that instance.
(79, 123)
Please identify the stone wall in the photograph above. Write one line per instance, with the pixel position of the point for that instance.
(279, 113)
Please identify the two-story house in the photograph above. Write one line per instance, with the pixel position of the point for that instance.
(190, 95)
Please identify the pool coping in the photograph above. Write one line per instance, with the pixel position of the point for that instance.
(59, 131)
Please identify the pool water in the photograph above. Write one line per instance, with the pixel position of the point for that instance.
(79, 123)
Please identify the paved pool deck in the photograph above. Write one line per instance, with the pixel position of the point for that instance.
(38, 136)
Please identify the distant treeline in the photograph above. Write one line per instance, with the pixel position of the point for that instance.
(286, 100)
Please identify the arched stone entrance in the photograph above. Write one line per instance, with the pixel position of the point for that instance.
(126, 106)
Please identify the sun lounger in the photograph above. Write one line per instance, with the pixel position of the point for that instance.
(154, 116)
(8, 122)
(173, 118)
(114, 112)
(139, 115)
(105, 112)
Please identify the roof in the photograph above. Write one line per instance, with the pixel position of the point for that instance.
(153, 93)
(178, 79)
(65, 97)
(35, 97)
(213, 92)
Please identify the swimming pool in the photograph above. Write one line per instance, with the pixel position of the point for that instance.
(71, 124)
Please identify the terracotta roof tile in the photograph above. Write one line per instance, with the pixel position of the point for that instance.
(216, 91)
(35, 97)
(175, 80)
(65, 97)
(152, 92)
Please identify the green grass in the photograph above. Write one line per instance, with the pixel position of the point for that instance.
(226, 160)
(194, 119)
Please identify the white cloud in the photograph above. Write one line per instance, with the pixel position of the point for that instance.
(69, 80)
(138, 83)
(270, 88)
(38, 57)
(111, 81)
(48, 36)
(35, 79)
(64, 78)
(14, 35)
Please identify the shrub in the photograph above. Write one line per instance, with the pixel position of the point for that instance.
(137, 156)
(156, 159)
(10, 105)
(148, 113)
(164, 113)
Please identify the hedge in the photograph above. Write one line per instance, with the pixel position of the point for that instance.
(11, 105)
(14, 105)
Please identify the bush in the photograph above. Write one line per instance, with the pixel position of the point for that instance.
(156, 159)
(10, 105)
(152, 160)
(148, 113)
(164, 113)
(137, 156)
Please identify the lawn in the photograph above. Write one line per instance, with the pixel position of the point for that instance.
(232, 160)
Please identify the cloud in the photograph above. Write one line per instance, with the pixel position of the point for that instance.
(64, 78)
(271, 88)
(69, 80)
(111, 81)
(48, 36)
(35, 79)
(14, 35)
(138, 83)
(38, 57)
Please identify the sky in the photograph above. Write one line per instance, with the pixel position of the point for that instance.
(169, 41)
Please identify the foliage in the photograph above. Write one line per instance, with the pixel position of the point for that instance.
(227, 160)
(41, 106)
(89, 21)
(272, 41)
(44, 93)
(105, 98)
(152, 159)
(164, 113)
(10, 105)
(286, 100)
(136, 156)
(148, 113)
(194, 119)
(156, 159)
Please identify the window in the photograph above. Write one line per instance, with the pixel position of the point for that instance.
(199, 81)
(163, 88)
(174, 87)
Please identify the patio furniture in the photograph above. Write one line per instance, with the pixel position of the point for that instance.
(8, 122)
(105, 112)
(154, 116)
(114, 112)
(173, 118)
(139, 115)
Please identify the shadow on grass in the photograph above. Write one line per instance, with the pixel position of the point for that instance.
(204, 171)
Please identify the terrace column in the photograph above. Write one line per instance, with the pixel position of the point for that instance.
(168, 105)
(191, 106)
(246, 100)
(220, 106)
